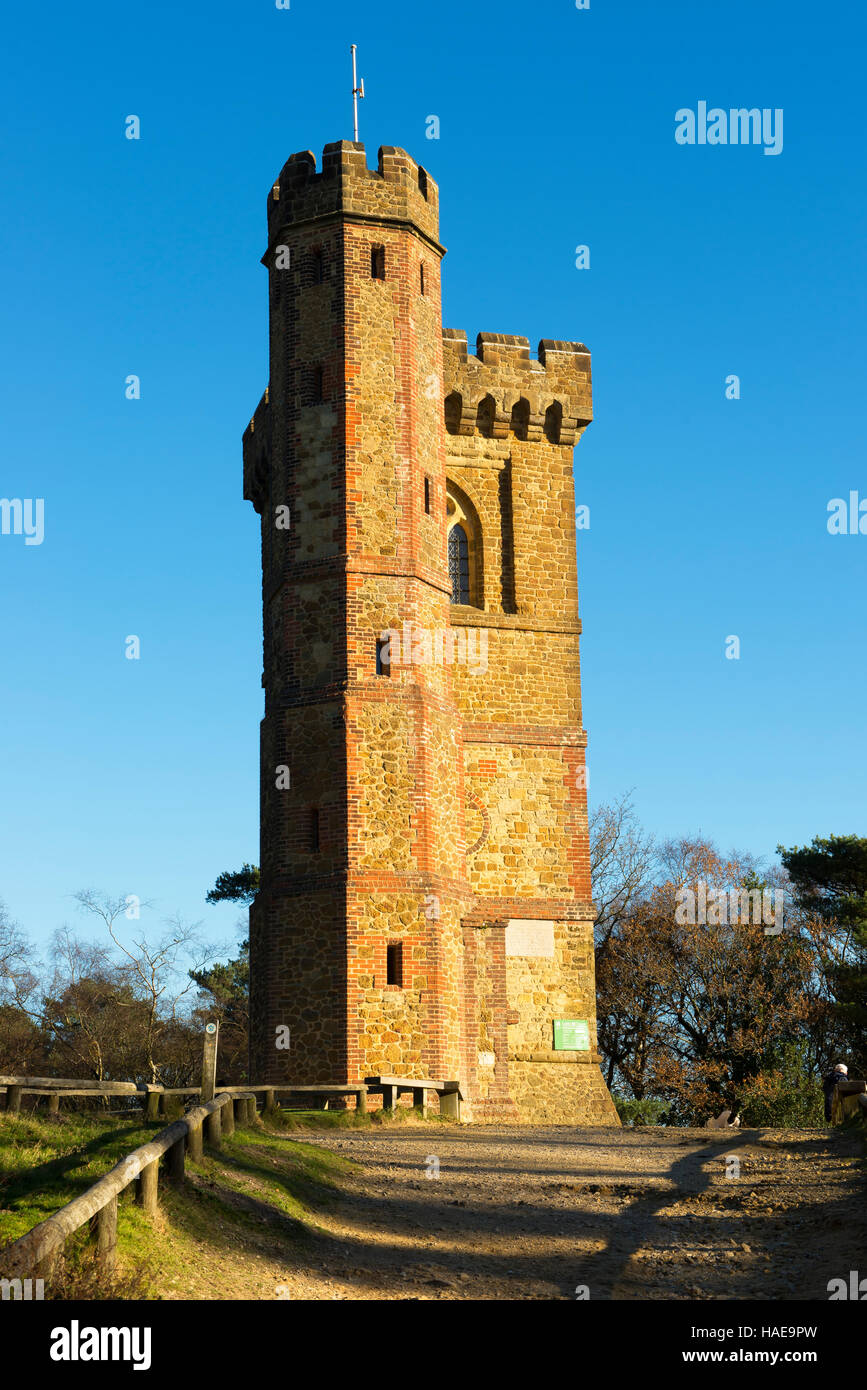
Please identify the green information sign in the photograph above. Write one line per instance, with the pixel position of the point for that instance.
(571, 1035)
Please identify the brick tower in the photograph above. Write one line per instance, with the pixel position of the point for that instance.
(425, 898)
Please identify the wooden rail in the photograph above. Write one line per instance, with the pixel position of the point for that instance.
(152, 1097)
(34, 1254)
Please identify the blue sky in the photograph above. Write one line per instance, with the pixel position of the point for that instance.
(708, 515)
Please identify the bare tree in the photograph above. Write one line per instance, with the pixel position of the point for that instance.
(77, 1010)
(622, 863)
(21, 1040)
(18, 973)
(157, 973)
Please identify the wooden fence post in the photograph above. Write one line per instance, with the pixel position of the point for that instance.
(175, 1162)
(209, 1062)
(106, 1234)
(147, 1187)
(214, 1128)
(44, 1268)
(194, 1143)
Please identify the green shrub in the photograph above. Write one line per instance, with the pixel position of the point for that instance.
(640, 1112)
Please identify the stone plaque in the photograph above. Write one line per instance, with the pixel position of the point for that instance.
(529, 938)
(571, 1035)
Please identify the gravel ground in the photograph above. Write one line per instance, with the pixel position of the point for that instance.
(518, 1213)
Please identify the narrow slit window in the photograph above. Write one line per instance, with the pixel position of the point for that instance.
(427, 495)
(377, 262)
(383, 657)
(459, 564)
(394, 964)
(314, 830)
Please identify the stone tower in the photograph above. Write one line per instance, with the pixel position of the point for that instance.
(425, 896)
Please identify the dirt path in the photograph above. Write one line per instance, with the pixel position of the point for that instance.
(539, 1213)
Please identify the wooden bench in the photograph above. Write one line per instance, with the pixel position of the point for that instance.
(390, 1087)
(323, 1092)
(848, 1099)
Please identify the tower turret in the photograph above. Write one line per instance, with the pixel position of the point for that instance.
(355, 935)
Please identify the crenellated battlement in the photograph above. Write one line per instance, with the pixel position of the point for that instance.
(398, 190)
(502, 390)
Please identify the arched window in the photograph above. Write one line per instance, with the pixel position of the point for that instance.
(485, 416)
(553, 422)
(465, 551)
(459, 564)
(453, 408)
(521, 418)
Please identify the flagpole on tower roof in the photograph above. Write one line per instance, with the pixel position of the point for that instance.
(357, 91)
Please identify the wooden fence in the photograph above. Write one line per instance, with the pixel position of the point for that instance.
(390, 1088)
(35, 1253)
(151, 1097)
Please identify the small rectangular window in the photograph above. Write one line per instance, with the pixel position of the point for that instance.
(383, 656)
(427, 495)
(377, 262)
(314, 831)
(394, 964)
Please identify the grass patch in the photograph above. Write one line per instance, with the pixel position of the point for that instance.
(247, 1205)
(46, 1162)
(288, 1120)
